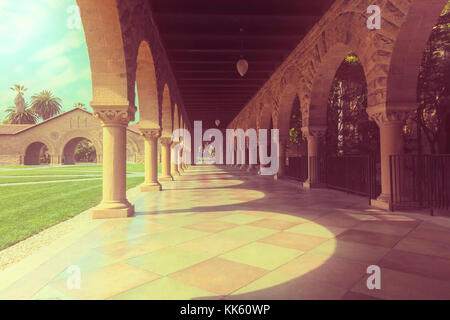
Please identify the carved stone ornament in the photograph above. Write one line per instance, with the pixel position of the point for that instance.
(389, 117)
(150, 133)
(121, 117)
(166, 141)
(314, 131)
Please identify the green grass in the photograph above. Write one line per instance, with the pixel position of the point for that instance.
(30, 208)
(18, 179)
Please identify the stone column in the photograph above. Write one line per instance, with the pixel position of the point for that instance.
(181, 165)
(99, 158)
(281, 157)
(114, 203)
(313, 135)
(57, 159)
(151, 159)
(391, 143)
(173, 156)
(166, 142)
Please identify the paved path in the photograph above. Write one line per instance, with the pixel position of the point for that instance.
(218, 233)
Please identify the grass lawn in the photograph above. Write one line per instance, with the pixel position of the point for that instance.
(27, 209)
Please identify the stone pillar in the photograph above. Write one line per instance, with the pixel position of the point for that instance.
(313, 135)
(391, 143)
(180, 165)
(114, 203)
(281, 157)
(166, 142)
(56, 159)
(174, 166)
(151, 159)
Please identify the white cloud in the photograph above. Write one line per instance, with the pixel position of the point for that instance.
(73, 40)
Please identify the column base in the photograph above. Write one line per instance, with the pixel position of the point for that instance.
(278, 176)
(155, 186)
(313, 185)
(167, 178)
(382, 202)
(113, 210)
(175, 174)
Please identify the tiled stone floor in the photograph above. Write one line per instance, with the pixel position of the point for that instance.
(226, 234)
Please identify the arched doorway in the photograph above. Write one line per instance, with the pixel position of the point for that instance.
(427, 132)
(351, 148)
(79, 150)
(349, 131)
(36, 154)
(297, 150)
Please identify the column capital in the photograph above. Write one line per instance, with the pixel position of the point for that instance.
(166, 141)
(114, 116)
(314, 131)
(149, 134)
(393, 116)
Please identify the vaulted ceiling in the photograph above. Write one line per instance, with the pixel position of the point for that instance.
(203, 39)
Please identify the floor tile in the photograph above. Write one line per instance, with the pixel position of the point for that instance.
(351, 251)
(291, 240)
(240, 218)
(164, 289)
(213, 244)
(247, 233)
(423, 246)
(178, 235)
(279, 287)
(371, 238)
(107, 282)
(313, 229)
(330, 270)
(424, 265)
(211, 226)
(275, 224)
(219, 275)
(168, 260)
(400, 285)
(262, 255)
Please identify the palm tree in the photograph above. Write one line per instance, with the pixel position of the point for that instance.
(27, 116)
(19, 101)
(79, 105)
(45, 105)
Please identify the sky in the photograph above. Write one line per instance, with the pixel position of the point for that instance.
(42, 46)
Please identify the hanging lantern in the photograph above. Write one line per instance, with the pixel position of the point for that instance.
(242, 67)
(217, 122)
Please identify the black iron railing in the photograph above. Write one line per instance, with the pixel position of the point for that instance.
(420, 181)
(297, 168)
(355, 174)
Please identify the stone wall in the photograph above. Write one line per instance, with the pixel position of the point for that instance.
(56, 132)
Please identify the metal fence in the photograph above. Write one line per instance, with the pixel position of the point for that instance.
(420, 181)
(297, 168)
(355, 174)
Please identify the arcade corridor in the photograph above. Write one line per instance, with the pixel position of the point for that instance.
(224, 233)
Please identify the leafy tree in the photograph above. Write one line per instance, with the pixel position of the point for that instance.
(295, 132)
(430, 122)
(27, 116)
(45, 105)
(79, 105)
(349, 129)
(85, 151)
(21, 114)
(19, 101)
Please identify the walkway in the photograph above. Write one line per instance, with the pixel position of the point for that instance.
(217, 233)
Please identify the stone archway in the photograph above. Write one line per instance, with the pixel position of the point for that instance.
(69, 151)
(34, 153)
(147, 88)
